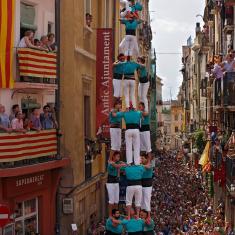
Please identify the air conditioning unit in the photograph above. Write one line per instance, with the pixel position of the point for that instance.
(68, 206)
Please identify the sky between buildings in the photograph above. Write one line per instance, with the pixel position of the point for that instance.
(173, 22)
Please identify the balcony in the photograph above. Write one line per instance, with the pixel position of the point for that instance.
(230, 175)
(229, 89)
(18, 149)
(37, 69)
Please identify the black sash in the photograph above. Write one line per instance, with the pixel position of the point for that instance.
(112, 179)
(112, 233)
(130, 76)
(135, 233)
(117, 76)
(134, 182)
(148, 233)
(147, 182)
(132, 126)
(144, 128)
(143, 79)
(115, 125)
(131, 32)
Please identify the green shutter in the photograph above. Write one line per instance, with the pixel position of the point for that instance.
(27, 17)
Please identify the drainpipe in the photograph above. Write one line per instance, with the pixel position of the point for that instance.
(114, 28)
(57, 105)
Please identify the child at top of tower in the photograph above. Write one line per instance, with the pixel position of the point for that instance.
(131, 9)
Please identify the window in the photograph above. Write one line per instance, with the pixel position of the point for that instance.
(176, 129)
(87, 6)
(87, 117)
(176, 117)
(26, 221)
(27, 18)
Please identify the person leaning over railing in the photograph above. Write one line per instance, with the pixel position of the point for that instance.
(27, 40)
(17, 123)
(4, 120)
(35, 119)
(47, 119)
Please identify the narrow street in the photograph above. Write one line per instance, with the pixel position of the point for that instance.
(180, 205)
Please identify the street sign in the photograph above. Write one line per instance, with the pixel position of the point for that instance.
(4, 215)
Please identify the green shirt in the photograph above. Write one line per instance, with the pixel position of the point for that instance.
(115, 229)
(113, 170)
(134, 225)
(149, 227)
(134, 172)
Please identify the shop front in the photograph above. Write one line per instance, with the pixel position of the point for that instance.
(31, 199)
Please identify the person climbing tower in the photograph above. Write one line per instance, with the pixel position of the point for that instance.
(117, 76)
(129, 69)
(131, 9)
(143, 83)
(129, 45)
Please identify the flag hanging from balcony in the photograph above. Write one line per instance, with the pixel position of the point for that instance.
(7, 15)
(16, 146)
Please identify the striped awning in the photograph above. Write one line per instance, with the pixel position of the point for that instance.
(7, 20)
(17, 146)
(36, 63)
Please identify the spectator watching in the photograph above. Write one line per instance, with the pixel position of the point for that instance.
(4, 120)
(17, 123)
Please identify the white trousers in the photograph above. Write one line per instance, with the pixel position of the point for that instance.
(116, 136)
(129, 46)
(146, 198)
(132, 137)
(113, 192)
(131, 192)
(117, 88)
(145, 141)
(143, 92)
(129, 92)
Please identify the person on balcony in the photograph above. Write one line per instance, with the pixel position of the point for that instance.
(129, 45)
(44, 44)
(143, 83)
(51, 41)
(27, 40)
(117, 76)
(4, 120)
(145, 141)
(14, 110)
(18, 124)
(115, 127)
(46, 119)
(229, 64)
(35, 119)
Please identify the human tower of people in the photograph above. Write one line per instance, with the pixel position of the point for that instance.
(137, 168)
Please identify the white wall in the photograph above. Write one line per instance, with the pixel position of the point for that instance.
(45, 12)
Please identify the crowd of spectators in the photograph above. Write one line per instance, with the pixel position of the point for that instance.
(46, 43)
(21, 123)
(181, 203)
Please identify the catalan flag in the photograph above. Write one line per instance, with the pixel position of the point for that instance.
(7, 15)
(16, 146)
(36, 63)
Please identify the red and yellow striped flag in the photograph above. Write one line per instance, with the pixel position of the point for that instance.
(7, 16)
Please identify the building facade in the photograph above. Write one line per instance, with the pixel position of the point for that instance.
(30, 161)
(208, 98)
(83, 182)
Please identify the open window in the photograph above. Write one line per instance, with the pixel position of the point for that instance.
(27, 18)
